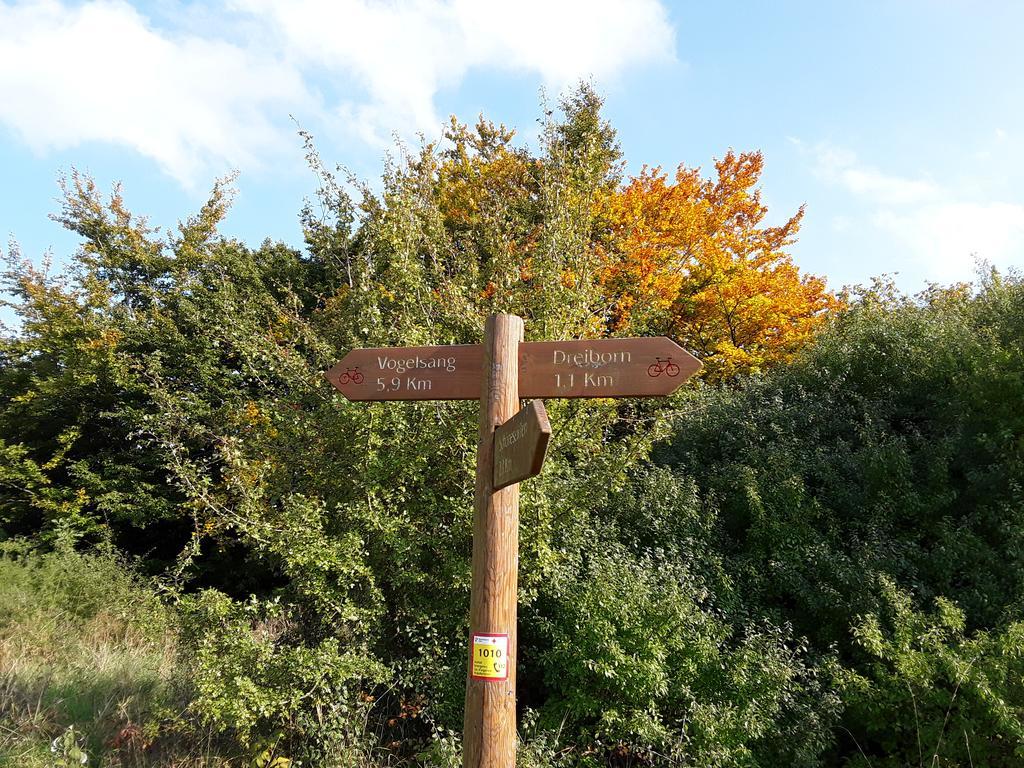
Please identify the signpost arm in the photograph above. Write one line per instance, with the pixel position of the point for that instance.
(489, 733)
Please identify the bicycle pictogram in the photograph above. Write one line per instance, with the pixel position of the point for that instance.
(351, 374)
(663, 365)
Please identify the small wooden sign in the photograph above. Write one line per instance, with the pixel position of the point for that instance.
(639, 367)
(520, 444)
(452, 372)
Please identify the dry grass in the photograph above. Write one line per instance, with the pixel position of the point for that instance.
(85, 646)
(82, 644)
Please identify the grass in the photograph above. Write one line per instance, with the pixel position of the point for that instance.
(90, 661)
(88, 656)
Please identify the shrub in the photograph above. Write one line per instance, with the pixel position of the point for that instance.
(930, 694)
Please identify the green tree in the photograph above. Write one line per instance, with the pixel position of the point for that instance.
(184, 373)
(878, 476)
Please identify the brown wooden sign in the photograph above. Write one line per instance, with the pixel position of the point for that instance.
(451, 372)
(520, 444)
(639, 367)
(498, 373)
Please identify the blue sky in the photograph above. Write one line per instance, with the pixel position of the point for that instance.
(900, 124)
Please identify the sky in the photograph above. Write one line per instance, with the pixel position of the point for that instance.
(899, 123)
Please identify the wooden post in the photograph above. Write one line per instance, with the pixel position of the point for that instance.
(489, 733)
(643, 367)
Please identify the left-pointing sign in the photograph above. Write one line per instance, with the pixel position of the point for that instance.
(450, 372)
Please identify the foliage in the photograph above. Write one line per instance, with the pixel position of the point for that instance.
(759, 595)
(251, 681)
(880, 474)
(166, 396)
(694, 259)
(891, 448)
(634, 652)
(933, 695)
(67, 751)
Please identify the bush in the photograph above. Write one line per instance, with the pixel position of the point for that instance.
(637, 663)
(929, 694)
(880, 474)
(252, 678)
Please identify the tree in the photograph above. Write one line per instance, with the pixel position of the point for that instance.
(320, 547)
(692, 258)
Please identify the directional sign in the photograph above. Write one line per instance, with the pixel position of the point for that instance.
(520, 444)
(498, 373)
(410, 373)
(640, 367)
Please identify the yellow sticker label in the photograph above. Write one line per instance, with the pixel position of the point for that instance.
(490, 657)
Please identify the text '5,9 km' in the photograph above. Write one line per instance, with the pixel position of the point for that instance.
(511, 449)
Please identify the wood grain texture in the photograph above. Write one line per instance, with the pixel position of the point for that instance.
(636, 367)
(489, 733)
(639, 367)
(451, 372)
(520, 445)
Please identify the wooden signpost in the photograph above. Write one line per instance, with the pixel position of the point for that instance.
(410, 373)
(510, 449)
(644, 367)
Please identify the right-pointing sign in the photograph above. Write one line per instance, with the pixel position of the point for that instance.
(640, 367)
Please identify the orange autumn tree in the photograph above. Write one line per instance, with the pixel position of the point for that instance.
(692, 258)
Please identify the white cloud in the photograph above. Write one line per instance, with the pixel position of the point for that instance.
(403, 53)
(947, 237)
(943, 231)
(98, 72)
(840, 166)
(101, 71)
